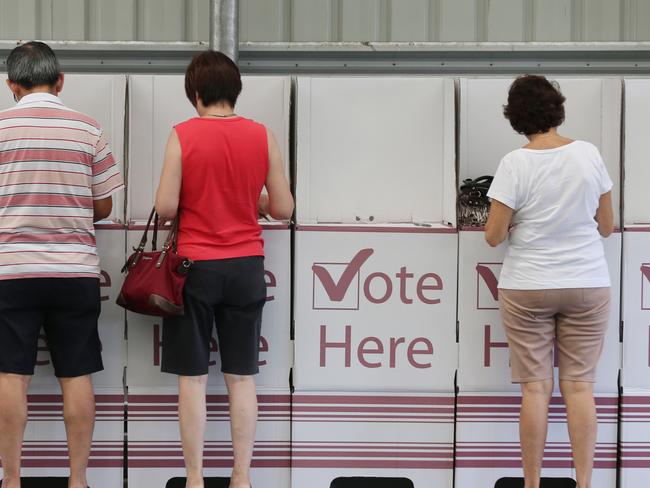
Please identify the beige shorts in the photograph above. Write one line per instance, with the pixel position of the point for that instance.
(576, 317)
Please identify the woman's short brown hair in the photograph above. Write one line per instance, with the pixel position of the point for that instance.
(213, 77)
(535, 105)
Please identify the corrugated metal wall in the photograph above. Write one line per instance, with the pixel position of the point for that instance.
(332, 20)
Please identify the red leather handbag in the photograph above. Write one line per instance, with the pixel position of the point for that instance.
(154, 281)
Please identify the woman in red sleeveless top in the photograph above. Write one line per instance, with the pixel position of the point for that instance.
(215, 168)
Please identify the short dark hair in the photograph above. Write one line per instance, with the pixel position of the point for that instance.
(214, 77)
(33, 64)
(535, 105)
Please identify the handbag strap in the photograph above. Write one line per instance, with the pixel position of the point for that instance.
(485, 181)
(170, 243)
(172, 238)
(154, 239)
(143, 240)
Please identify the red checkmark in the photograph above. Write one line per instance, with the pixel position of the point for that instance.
(337, 291)
(490, 280)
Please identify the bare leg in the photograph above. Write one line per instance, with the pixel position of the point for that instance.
(13, 419)
(192, 417)
(581, 416)
(243, 420)
(79, 418)
(533, 425)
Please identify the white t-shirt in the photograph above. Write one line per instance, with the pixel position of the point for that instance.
(554, 240)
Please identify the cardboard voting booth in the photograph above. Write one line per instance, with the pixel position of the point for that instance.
(45, 449)
(635, 403)
(154, 448)
(487, 438)
(374, 280)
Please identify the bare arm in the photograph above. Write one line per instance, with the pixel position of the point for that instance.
(605, 215)
(169, 188)
(102, 208)
(280, 201)
(498, 223)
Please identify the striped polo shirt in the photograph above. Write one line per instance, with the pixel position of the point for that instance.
(54, 162)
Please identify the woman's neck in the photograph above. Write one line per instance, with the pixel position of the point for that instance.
(547, 140)
(215, 110)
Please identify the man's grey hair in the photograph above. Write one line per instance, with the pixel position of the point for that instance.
(33, 64)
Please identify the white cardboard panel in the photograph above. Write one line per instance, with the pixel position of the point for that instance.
(372, 434)
(155, 452)
(483, 348)
(158, 102)
(637, 159)
(378, 149)
(635, 437)
(375, 308)
(111, 248)
(487, 440)
(102, 97)
(45, 449)
(276, 351)
(636, 307)
(593, 114)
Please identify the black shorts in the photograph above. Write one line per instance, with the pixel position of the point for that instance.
(66, 308)
(229, 293)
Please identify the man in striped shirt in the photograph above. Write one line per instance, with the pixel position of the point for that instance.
(57, 177)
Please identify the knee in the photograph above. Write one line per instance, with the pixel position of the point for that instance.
(569, 388)
(13, 414)
(78, 412)
(539, 388)
(238, 379)
(13, 398)
(201, 380)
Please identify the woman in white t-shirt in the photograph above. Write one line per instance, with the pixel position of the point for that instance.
(552, 200)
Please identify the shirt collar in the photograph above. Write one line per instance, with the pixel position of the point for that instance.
(39, 97)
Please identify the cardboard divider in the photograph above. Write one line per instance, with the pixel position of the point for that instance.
(158, 102)
(375, 150)
(635, 437)
(80, 92)
(636, 307)
(637, 161)
(375, 308)
(336, 435)
(487, 440)
(593, 114)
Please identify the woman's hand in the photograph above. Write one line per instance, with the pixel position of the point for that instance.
(263, 206)
(605, 215)
(498, 223)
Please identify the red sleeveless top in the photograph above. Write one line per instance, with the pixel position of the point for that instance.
(224, 164)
